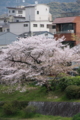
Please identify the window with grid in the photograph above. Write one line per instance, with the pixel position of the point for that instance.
(34, 25)
(41, 25)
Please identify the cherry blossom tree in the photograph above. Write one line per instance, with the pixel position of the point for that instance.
(34, 58)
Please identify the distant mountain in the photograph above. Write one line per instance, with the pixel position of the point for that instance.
(56, 6)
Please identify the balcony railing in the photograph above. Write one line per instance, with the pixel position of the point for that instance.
(62, 32)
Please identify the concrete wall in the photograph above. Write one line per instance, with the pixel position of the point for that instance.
(16, 12)
(30, 13)
(43, 12)
(18, 28)
(39, 28)
(65, 109)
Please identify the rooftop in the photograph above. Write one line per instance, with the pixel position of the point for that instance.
(26, 34)
(64, 20)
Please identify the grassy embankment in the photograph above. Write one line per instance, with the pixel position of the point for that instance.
(15, 98)
(32, 93)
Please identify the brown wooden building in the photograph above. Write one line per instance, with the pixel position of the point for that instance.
(68, 26)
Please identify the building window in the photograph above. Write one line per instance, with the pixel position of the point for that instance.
(65, 26)
(41, 25)
(13, 11)
(48, 26)
(34, 25)
(17, 20)
(53, 27)
(37, 12)
(7, 30)
(0, 29)
(20, 11)
(25, 25)
(20, 15)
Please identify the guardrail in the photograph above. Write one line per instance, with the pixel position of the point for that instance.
(69, 31)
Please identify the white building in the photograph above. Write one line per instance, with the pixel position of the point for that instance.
(16, 11)
(29, 26)
(31, 12)
(37, 12)
(31, 18)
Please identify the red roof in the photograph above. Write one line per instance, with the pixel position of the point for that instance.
(64, 20)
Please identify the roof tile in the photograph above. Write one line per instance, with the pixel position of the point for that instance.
(64, 20)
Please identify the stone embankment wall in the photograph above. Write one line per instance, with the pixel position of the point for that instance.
(67, 109)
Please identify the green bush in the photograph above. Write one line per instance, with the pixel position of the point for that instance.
(75, 80)
(63, 83)
(54, 84)
(9, 109)
(2, 103)
(72, 91)
(76, 117)
(29, 111)
(66, 81)
(19, 104)
(23, 104)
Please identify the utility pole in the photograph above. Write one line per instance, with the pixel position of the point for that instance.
(29, 25)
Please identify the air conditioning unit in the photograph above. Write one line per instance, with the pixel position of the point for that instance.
(72, 31)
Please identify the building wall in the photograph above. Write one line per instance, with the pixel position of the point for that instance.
(16, 12)
(68, 36)
(30, 13)
(38, 12)
(77, 27)
(19, 19)
(1, 21)
(43, 12)
(5, 29)
(39, 28)
(19, 28)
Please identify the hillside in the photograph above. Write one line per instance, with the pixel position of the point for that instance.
(56, 5)
(57, 8)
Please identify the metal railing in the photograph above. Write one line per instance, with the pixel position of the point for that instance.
(68, 31)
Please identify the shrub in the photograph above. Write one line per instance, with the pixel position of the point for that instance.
(23, 103)
(76, 80)
(29, 111)
(76, 117)
(72, 91)
(2, 103)
(19, 104)
(9, 109)
(54, 84)
(66, 81)
(63, 83)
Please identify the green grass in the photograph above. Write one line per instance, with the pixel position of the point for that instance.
(47, 117)
(41, 117)
(33, 94)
